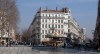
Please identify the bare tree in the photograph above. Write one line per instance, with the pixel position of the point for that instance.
(25, 36)
(8, 16)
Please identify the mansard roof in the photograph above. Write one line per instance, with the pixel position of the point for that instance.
(65, 10)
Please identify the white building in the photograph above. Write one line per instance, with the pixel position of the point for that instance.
(83, 34)
(50, 21)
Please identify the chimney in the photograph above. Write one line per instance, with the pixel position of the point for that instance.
(40, 9)
(46, 8)
(56, 8)
(65, 10)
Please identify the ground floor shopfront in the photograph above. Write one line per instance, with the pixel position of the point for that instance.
(4, 41)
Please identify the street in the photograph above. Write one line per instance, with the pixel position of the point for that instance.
(29, 50)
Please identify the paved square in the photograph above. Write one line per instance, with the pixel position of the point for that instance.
(29, 50)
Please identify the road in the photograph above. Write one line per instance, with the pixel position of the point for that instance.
(29, 50)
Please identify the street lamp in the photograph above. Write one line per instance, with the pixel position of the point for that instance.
(1, 28)
(8, 32)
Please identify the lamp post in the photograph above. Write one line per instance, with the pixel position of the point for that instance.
(0, 24)
(8, 32)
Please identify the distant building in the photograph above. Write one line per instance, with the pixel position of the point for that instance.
(53, 21)
(83, 34)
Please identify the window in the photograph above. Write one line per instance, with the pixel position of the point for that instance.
(42, 25)
(42, 20)
(61, 26)
(58, 21)
(68, 30)
(55, 26)
(43, 31)
(55, 15)
(49, 31)
(49, 26)
(43, 36)
(45, 20)
(55, 21)
(52, 21)
(43, 15)
(49, 15)
(46, 15)
(45, 25)
(61, 21)
(61, 15)
(58, 26)
(68, 16)
(61, 32)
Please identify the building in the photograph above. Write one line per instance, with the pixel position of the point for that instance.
(53, 21)
(97, 29)
(83, 34)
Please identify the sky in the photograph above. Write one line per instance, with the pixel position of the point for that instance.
(84, 11)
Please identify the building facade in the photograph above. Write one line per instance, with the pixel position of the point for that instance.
(53, 21)
(97, 29)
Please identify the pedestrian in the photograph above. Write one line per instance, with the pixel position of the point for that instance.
(2, 43)
(6, 44)
(64, 46)
(99, 49)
